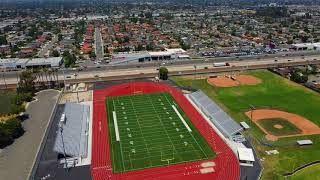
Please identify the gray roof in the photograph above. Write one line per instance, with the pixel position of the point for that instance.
(52, 61)
(217, 116)
(75, 130)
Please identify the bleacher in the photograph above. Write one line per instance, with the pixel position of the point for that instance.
(226, 125)
(75, 131)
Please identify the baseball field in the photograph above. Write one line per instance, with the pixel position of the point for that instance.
(290, 102)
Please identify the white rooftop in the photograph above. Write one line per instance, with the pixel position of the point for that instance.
(304, 142)
(245, 154)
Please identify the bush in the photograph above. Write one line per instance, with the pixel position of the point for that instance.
(16, 109)
(22, 97)
(14, 128)
(9, 130)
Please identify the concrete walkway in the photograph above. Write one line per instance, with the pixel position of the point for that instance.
(17, 159)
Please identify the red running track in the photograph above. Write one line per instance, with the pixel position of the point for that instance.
(227, 165)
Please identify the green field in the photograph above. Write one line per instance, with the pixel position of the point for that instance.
(312, 173)
(151, 133)
(5, 102)
(288, 128)
(274, 92)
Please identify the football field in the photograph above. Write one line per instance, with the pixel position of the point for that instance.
(151, 130)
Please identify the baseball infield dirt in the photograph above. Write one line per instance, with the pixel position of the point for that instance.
(306, 126)
(232, 81)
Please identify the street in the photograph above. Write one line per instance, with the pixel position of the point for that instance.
(98, 45)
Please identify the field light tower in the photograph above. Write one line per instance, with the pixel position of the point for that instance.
(62, 120)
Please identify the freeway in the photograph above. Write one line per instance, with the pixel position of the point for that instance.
(116, 73)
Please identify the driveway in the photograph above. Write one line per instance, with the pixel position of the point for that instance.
(17, 159)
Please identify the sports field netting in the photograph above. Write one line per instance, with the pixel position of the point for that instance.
(151, 130)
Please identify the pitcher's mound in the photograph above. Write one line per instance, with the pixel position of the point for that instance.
(278, 126)
(232, 81)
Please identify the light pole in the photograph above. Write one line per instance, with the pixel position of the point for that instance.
(64, 78)
(195, 71)
(75, 77)
(64, 150)
(4, 80)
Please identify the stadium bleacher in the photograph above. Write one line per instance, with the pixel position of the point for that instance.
(227, 126)
(75, 128)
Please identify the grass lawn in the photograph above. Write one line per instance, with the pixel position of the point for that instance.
(287, 127)
(153, 131)
(5, 102)
(274, 92)
(312, 173)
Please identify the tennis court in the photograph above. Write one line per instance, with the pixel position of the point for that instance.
(151, 130)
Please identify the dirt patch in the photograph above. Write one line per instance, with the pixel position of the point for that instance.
(278, 126)
(223, 81)
(232, 81)
(306, 126)
(248, 80)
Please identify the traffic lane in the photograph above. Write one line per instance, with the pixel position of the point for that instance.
(69, 74)
(198, 61)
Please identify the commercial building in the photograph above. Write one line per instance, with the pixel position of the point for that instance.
(17, 63)
(306, 46)
(168, 54)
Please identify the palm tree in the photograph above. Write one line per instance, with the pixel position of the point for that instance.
(50, 74)
(57, 76)
(45, 70)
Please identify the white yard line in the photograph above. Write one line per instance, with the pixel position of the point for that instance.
(173, 146)
(181, 118)
(142, 135)
(115, 122)
(114, 108)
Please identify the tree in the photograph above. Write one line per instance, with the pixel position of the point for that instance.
(298, 77)
(163, 71)
(55, 53)
(26, 82)
(92, 54)
(60, 37)
(3, 40)
(150, 47)
(69, 59)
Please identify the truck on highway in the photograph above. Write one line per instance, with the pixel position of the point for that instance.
(220, 64)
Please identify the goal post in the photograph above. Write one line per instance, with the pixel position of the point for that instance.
(167, 153)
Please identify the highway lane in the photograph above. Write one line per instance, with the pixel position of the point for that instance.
(176, 69)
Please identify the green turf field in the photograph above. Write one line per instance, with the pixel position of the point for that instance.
(151, 133)
(288, 128)
(310, 173)
(274, 92)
